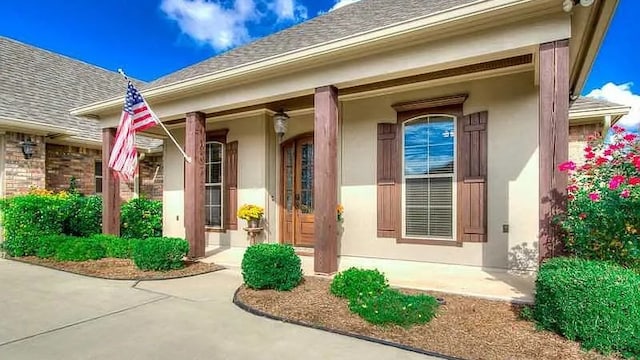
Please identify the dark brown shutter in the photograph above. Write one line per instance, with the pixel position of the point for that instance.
(472, 177)
(388, 200)
(231, 185)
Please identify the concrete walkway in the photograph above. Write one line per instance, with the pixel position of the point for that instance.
(48, 314)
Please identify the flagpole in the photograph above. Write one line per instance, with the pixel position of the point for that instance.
(175, 142)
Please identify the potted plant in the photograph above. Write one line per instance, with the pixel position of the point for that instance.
(251, 213)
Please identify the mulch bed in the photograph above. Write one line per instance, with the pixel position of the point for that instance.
(120, 269)
(465, 327)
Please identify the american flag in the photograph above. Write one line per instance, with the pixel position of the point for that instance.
(136, 116)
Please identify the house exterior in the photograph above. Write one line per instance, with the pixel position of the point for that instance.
(590, 117)
(37, 89)
(437, 125)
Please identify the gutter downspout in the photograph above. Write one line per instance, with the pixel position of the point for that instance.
(607, 125)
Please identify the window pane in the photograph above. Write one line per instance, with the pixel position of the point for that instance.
(213, 180)
(212, 201)
(428, 146)
(98, 185)
(429, 163)
(98, 168)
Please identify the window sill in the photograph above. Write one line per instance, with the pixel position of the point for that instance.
(214, 229)
(439, 242)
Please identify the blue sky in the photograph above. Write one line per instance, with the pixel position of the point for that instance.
(156, 37)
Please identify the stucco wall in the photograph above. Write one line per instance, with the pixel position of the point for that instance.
(253, 156)
(512, 103)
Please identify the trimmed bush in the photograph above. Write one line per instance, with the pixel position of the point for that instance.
(392, 307)
(26, 218)
(48, 245)
(116, 247)
(141, 218)
(593, 302)
(160, 254)
(80, 249)
(271, 266)
(354, 283)
(84, 215)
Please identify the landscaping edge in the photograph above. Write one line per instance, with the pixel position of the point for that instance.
(254, 311)
(111, 278)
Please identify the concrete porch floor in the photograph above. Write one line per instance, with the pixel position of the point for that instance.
(493, 284)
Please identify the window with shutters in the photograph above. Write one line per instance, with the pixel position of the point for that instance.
(428, 177)
(213, 184)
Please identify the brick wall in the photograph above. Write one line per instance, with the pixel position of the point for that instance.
(20, 173)
(578, 135)
(66, 161)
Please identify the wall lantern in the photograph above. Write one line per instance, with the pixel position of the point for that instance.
(27, 148)
(280, 123)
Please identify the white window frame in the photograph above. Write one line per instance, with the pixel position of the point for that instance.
(221, 183)
(454, 176)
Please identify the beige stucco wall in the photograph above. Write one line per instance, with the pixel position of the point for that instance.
(512, 102)
(253, 178)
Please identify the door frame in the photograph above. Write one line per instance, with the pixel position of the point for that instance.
(282, 182)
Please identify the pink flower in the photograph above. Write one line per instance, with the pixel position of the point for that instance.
(582, 216)
(608, 152)
(600, 160)
(625, 193)
(588, 149)
(617, 129)
(572, 188)
(616, 181)
(594, 196)
(590, 155)
(634, 180)
(630, 137)
(567, 166)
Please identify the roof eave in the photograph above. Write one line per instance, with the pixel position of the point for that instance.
(452, 18)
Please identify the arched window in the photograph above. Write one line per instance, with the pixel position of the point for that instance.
(214, 170)
(428, 177)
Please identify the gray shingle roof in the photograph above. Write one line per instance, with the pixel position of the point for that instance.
(41, 86)
(358, 17)
(584, 103)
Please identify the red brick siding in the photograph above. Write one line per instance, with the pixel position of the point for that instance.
(151, 177)
(20, 173)
(578, 135)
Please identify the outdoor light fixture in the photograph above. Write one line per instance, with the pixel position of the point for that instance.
(27, 148)
(280, 123)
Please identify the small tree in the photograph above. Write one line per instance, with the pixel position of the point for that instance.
(603, 213)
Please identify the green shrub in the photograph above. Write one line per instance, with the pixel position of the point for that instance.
(271, 266)
(141, 218)
(160, 253)
(354, 283)
(84, 215)
(392, 307)
(26, 218)
(48, 245)
(116, 247)
(593, 302)
(80, 249)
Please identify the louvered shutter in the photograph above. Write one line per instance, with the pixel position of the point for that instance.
(231, 186)
(472, 177)
(388, 161)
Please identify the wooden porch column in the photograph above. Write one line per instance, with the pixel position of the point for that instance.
(195, 138)
(553, 142)
(110, 187)
(325, 193)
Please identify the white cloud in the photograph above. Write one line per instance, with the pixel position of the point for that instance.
(341, 3)
(211, 22)
(226, 24)
(621, 94)
(289, 10)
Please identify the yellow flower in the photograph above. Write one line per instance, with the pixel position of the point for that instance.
(250, 212)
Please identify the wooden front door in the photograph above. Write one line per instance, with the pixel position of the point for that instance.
(297, 218)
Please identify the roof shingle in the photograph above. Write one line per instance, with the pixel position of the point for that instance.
(584, 103)
(362, 16)
(41, 86)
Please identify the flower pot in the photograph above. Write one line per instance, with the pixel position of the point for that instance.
(253, 223)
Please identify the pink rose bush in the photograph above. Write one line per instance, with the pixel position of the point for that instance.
(603, 210)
